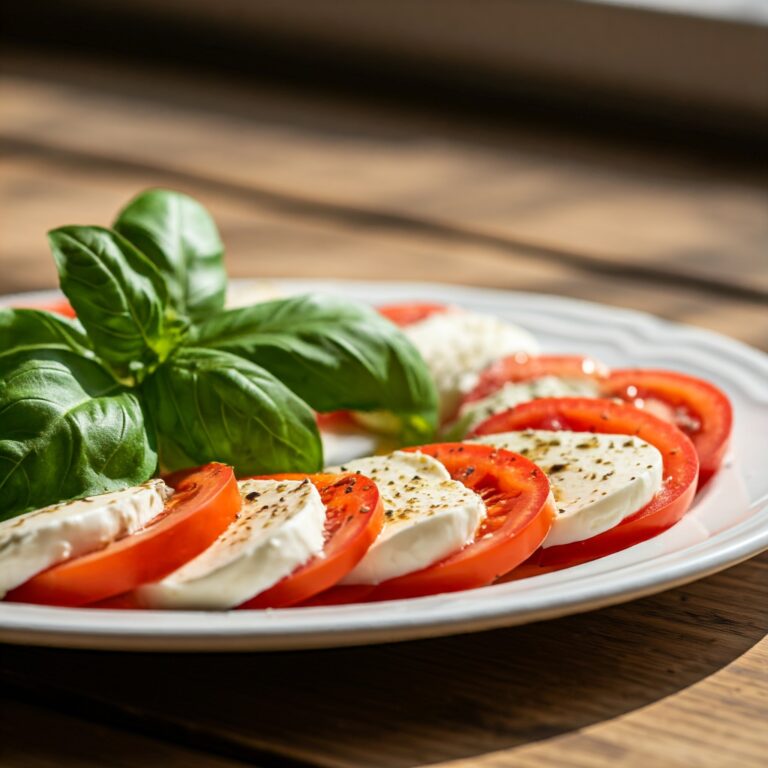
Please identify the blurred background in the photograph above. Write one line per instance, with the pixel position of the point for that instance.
(612, 151)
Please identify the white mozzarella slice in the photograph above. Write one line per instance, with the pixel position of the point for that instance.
(514, 393)
(37, 540)
(428, 515)
(597, 480)
(347, 443)
(279, 528)
(457, 345)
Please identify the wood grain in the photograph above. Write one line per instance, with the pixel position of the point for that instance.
(43, 192)
(562, 200)
(34, 737)
(664, 678)
(313, 187)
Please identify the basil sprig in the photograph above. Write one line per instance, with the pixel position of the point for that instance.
(155, 373)
(205, 402)
(119, 296)
(180, 238)
(333, 353)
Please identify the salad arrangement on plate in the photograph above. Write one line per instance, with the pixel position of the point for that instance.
(160, 451)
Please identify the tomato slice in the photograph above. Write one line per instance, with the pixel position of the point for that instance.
(525, 367)
(334, 420)
(354, 518)
(205, 502)
(698, 408)
(579, 414)
(408, 313)
(519, 515)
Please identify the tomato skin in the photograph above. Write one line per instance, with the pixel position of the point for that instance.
(408, 313)
(680, 462)
(354, 518)
(205, 502)
(334, 420)
(525, 367)
(699, 409)
(520, 514)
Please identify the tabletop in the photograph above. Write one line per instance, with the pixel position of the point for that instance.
(307, 184)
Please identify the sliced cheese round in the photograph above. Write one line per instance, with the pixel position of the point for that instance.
(279, 529)
(348, 442)
(428, 515)
(514, 393)
(597, 480)
(35, 541)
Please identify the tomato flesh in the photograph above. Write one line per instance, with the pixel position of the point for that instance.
(680, 464)
(205, 502)
(698, 408)
(354, 518)
(334, 420)
(408, 313)
(525, 367)
(519, 515)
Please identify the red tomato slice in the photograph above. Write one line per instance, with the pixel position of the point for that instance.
(354, 517)
(60, 307)
(524, 367)
(516, 494)
(408, 313)
(205, 502)
(334, 420)
(698, 408)
(587, 415)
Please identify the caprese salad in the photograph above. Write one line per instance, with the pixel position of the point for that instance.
(158, 451)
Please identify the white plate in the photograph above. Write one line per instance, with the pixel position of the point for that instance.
(728, 522)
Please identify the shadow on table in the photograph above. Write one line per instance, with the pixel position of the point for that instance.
(418, 702)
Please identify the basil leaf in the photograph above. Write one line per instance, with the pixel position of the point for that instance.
(180, 238)
(30, 330)
(119, 297)
(67, 430)
(333, 353)
(213, 406)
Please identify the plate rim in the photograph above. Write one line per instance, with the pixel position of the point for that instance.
(451, 613)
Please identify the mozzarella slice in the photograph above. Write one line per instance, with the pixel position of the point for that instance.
(457, 345)
(597, 480)
(428, 515)
(514, 393)
(37, 540)
(347, 443)
(279, 528)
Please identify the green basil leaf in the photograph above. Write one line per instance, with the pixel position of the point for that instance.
(214, 406)
(30, 330)
(67, 430)
(335, 354)
(180, 238)
(119, 296)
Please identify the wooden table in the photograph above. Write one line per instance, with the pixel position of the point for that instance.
(319, 186)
